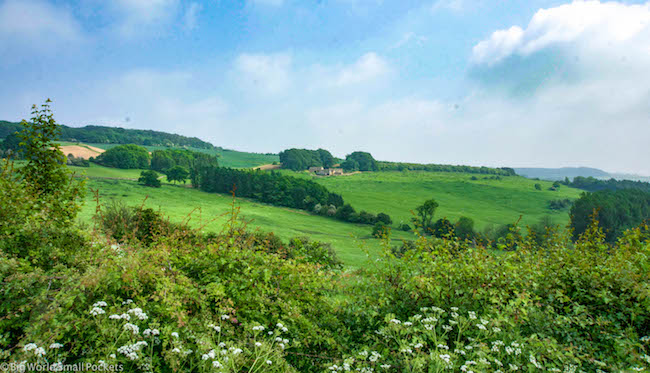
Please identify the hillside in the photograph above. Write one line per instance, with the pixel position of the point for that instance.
(561, 173)
(116, 135)
(487, 201)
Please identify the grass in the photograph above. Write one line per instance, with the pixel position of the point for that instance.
(487, 202)
(209, 211)
(227, 158)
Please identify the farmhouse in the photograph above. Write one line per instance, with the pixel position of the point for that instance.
(329, 171)
(315, 169)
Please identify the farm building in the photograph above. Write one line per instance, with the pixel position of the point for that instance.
(315, 169)
(330, 172)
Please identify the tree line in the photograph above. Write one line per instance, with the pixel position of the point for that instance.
(115, 135)
(400, 166)
(282, 190)
(592, 184)
(616, 211)
(302, 159)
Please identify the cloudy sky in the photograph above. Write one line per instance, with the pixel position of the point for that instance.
(521, 83)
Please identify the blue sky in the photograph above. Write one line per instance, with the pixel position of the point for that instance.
(480, 82)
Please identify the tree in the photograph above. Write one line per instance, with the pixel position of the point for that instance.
(538, 186)
(149, 178)
(125, 156)
(442, 228)
(380, 230)
(344, 212)
(177, 173)
(44, 189)
(464, 228)
(425, 214)
(161, 161)
(384, 218)
(361, 161)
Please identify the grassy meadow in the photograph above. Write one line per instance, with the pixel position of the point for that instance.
(486, 201)
(210, 211)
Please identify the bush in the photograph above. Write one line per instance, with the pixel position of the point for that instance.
(380, 230)
(149, 178)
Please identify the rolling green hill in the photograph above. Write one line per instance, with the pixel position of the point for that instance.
(486, 201)
(227, 158)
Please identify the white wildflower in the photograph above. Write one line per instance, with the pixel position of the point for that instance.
(174, 334)
(258, 344)
(216, 364)
(134, 328)
(97, 311)
(395, 321)
(269, 362)
(225, 317)
(100, 304)
(55, 345)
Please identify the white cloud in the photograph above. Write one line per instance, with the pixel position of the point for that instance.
(591, 25)
(368, 67)
(139, 16)
(36, 26)
(190, 16)
(264, 73)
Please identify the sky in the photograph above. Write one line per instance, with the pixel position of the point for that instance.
(518, 83)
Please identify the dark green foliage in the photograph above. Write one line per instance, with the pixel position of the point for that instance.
(559, 204)
(442, 228)
(384, 218)
(360, 161)
(380, 230)
(425, 214)
(115, 135)
(464, 228)
(177, 173)
(161, 160)
(125, 156)
(397, 166)
(127, 224)
(405, 227)
(277, 189)
(302, 159)
(593, 185)
(77, 161)
(538, 186)
(11, 145)
(618, 210)
(149, 178)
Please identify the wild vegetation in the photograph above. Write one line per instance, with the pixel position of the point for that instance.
(151, 295)
(302, 159)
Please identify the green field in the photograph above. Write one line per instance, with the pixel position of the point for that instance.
(209, 211)
(487, 202)
(227, 158)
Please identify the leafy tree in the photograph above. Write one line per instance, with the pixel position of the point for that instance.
(326, 158)
(442, 228)
(45, 171)
(149, 178)
(380, 230)
(361, 161)
(11, 144)
(125, 156)
(344, 212)
(464, 228)
(177, 173)
(43, 190)
(384, 218)
(538, 186)
(161, 161)
(617, 211)
(425, 214)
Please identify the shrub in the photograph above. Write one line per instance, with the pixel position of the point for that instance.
(149, 178)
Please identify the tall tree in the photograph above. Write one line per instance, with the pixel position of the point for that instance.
(425, 214)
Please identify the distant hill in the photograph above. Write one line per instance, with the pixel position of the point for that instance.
(561, 173)
(116, 135)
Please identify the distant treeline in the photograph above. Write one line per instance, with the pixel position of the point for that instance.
(302, 159)
(593, 185)
(617, 210)
(398, 166)
(115, 135)
(281, 190)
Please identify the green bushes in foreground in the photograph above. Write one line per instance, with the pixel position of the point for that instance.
(182, 301)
